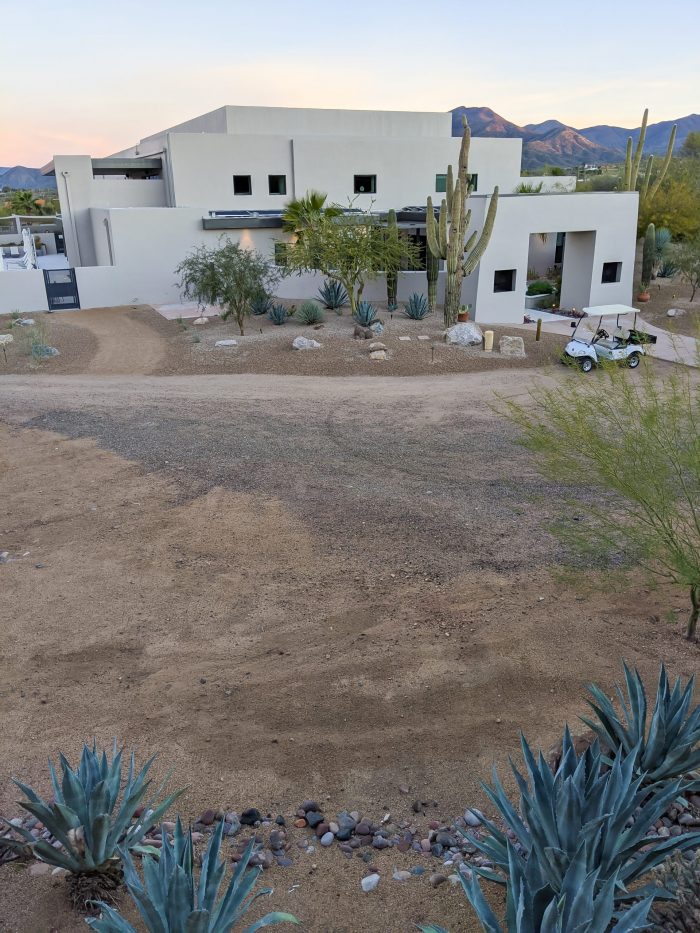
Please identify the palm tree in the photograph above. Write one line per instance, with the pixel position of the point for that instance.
(26, 203)
(301, 213)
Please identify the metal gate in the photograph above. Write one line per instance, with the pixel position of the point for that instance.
(61, 289)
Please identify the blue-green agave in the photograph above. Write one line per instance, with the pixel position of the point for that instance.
(365, 314)
(171, 901)
(278, 314)
(581, 811)
(666, 744)
(581, 906)
(416, 307)
(333, 294)
(260, 304)
(92, 814)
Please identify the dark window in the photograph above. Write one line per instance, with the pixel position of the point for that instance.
(504, 280)
(242, 184)
(559, 249)
(277, 184)
(280, 254)
(611, 272)
(365, 184)
(474, 181)
(441, 183)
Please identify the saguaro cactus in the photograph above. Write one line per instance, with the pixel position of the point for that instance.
(648, 256)
(392, 275)
(446, 238)
(432, 272)
(633, 161)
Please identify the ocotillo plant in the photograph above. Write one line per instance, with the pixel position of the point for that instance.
(392, 275)
(648, 256)
(432, 270)
(446, 239)
(647, 191)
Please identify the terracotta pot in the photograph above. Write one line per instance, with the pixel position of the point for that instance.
(463, 316)
(643, 296)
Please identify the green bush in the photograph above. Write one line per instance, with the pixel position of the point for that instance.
(309, 313)
(539, 287)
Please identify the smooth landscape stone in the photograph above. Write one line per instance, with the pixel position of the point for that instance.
(472, 817)
(313, 818)
(370, 882)
(465, 334)
(423, 337)
(404, 338)
(402, 876)
(305, 343)
(378, 355)
(228, 342)
(327, 839)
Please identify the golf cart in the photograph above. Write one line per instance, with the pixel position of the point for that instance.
(615, 342)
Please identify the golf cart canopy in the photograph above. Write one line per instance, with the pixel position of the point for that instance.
(609, 310)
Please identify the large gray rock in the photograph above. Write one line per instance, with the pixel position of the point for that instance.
(305, 343)
(511, 346)
(467, 334)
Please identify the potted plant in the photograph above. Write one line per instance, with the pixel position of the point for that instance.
(463, 314)
(643, 294)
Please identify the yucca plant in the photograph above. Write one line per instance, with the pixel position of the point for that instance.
(171, 901)
(416, 307)
(366, 314)
(260, 304)
(333, 294)
(309, 313)
(91, 814)
(665, 747)
(582, 810)
(278, 314)
(581, 906)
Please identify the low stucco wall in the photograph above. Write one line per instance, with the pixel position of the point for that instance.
(23, 291)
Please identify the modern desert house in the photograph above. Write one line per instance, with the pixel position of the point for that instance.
(129, 219)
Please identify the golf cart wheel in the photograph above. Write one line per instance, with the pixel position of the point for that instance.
(586, 364)
(633, 360)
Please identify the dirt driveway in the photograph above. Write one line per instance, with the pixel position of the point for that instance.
(292, 587)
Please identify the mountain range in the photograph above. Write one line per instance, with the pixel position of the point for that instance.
(19, 176)
(555, 143)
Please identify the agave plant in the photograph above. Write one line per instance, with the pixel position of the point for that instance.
(581, 906)
(171, 901)
(666, 748)
(366, 314)
(91, 815)
(416, 307)
(278, 314)
(581, 811)
(667, 269)
(260, 304)
(309, 313)
(333, 294)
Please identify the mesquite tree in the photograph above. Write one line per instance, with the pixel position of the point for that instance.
(446, 238)
(636, 441)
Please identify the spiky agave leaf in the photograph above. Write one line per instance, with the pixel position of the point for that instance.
(666, 749)
(93, 810)
(416, 307)
(170, 900)
(366, 314)
(333, 294)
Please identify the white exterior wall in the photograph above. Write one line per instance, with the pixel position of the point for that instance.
(22, 291)
(550, 183)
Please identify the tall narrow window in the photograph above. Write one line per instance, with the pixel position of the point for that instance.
(365, 184)
(474, 181)
(277, 184)
(441, 183)
(242, 184)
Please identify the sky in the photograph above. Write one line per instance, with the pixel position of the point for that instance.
(95, 76)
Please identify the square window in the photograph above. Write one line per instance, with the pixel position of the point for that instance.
(441, 183)
(365, 184)
(611, 272)
(277, 184)
(504, 280)
(242, 184)
(280, 254)
(473, 181)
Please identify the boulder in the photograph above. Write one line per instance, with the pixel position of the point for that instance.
(378, 355)
(511, 346)
(201, 320)
(228, 342)
(674, 312)
(377, 346)
(466, 334)
(365, 333)
(377, 328)
(305, 343)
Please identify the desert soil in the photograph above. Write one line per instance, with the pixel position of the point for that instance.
(289, 586)
(666, 294)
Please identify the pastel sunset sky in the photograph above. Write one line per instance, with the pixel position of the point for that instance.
(94, 76)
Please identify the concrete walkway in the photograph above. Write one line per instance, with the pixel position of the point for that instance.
(675, 348)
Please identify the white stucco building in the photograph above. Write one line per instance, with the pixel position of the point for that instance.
(129, 219)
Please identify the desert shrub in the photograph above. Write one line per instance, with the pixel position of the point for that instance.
(333, 295)
(366, 314)
(539, 287)
(170, 900)
(309, 313)
(260, 304)
(416, 307)
(92, 811)
(528, 187)
(278, 314)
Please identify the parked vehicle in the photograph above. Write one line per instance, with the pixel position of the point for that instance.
(618, 343)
